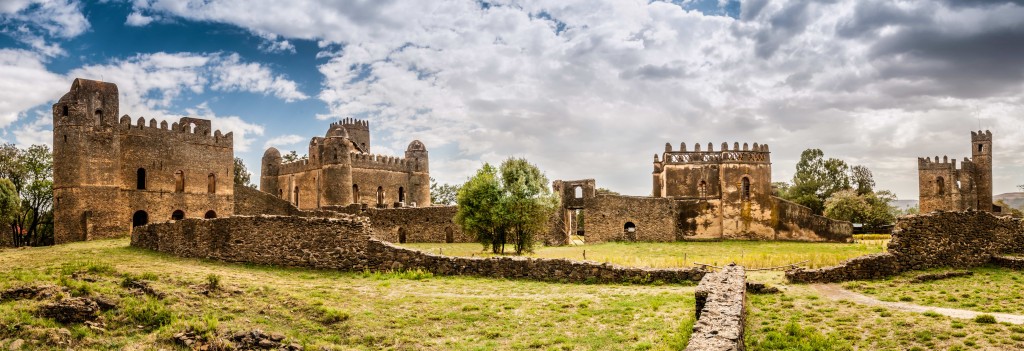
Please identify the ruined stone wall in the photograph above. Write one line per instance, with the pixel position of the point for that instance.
(252, 202)
(944, 187)
(346, 244)
(721, 311)
(795, 222)
(1011, 262)
(434, 224)
(746, 200)
(606, 217)
(939, 239)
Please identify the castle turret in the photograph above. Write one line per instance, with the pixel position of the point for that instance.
(358, 132)
(271, 168)
(337, 189)
(981, 154)
(419, 174)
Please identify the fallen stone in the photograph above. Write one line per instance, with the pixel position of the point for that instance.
(70, 310)
(143, 286)
(28, 292)
(761, 288)
(938, 276)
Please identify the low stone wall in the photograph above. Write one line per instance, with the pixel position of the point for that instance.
(606, 217)
(938, 239)
(435, 224)
(721, 311)
(252, 202)
(347, 244)
(1010, 262)
(797, 222)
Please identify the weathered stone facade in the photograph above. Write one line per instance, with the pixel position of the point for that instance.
(111, 173)
(940, 239)
(942, 186)
(346, 243)
(721, 311)
(340, 170)
(697, 195)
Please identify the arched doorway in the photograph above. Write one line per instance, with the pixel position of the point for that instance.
(210, 214)
(140, 218)
(449, 235)
(629, 227)
(178, 215)
(401, 194)
(401, 235)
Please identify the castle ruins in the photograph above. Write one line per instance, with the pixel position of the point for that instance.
(943, 186)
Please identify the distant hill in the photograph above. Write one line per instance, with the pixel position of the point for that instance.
(1015, 200)
(904, 204)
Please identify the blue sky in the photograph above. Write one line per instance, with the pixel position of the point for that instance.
(583, 88)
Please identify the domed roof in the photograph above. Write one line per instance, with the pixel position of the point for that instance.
(337, 131)
(272, 153)
(416, 145)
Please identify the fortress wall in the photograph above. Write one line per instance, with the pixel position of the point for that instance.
(252, 202)
(939, 239)
(796, 222)
(606, 215)
(419, 224)
(346, 244)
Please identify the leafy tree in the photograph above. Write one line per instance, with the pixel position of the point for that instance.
(242, 175)
(862, 179)
(443, 194)
(30, 171)
(780, 189)
(510, 204)
(871, 209)
(479, 201)
(292, 156)
(816, 179)
(10, 204)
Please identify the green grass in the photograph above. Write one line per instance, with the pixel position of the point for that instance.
(408, 310)
(989, 289)
(752, 254)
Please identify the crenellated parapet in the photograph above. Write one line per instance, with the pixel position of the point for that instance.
(381, 162)
(756, 153)
(981, 136)
(187, 129)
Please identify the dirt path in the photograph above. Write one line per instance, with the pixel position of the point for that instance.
(836, 292)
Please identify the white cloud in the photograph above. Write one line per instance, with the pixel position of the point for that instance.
(230, 74)
(243, 131)
(38, 132)
(274, 44)
(24, 83)
(136, 19)
(283, 140)
(35, 22)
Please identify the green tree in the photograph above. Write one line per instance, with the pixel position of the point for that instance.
(479, 200)
(292, 156)
(816, 179)
(30, 171)
(862, 179)
(10, 204)
(242, 175)
(443, 194)
(508, 205)
(874, 210)
(780, 189)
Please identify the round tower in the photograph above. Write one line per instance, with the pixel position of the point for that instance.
(337, 168)
(981, 154)
(271, 168)
(419, 174)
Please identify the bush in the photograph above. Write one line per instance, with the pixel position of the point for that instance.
(985, 319)
(213, 282)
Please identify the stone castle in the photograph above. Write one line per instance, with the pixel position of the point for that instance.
(697, 194)
(943, 186)
(341, 171)
(110, 175)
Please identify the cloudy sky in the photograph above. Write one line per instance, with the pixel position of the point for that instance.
(583, 88)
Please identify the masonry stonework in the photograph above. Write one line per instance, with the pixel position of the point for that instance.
(340, 170)
(113, 173)
(943, 186)
(721, 311)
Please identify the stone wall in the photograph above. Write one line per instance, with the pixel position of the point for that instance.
(1010, 262)
(435, 224)
(252, 202)
(721, 311)
(938, 239)
(796, 222)
(346, 244)
(606, 218)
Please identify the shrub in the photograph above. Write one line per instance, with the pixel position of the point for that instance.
(213, 282)
(985, 319)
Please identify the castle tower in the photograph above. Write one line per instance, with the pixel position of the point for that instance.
(358, 132)
(419, 174)
(981, 154)
(337, 187)
(269, 172)
(86, 165)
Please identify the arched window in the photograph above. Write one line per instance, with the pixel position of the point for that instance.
(449, 235)
(140, 179)
(178, 215)
(629, 227)
(401, 235)
(940, 184)
(577, 192)
(296, 196)
(981, 147)
(355, 193)
(179, 182)
(99, 117)
(211, 183)
(702, 189)
(380, 195)
(401, 194)
(140, 218)
(746, 188)
(64, 110)
(210, 214)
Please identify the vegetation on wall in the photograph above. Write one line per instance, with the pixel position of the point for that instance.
(509, 204)
(30, 173)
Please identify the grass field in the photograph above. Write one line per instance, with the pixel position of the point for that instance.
(332, 310)
(752, 254)
(990, 289)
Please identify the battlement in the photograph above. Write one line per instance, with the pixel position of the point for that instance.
(298, 166)
(187, 129)
(352, 123)
(981, 136)
(382, 162)
(756, 153)
(927, 163)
